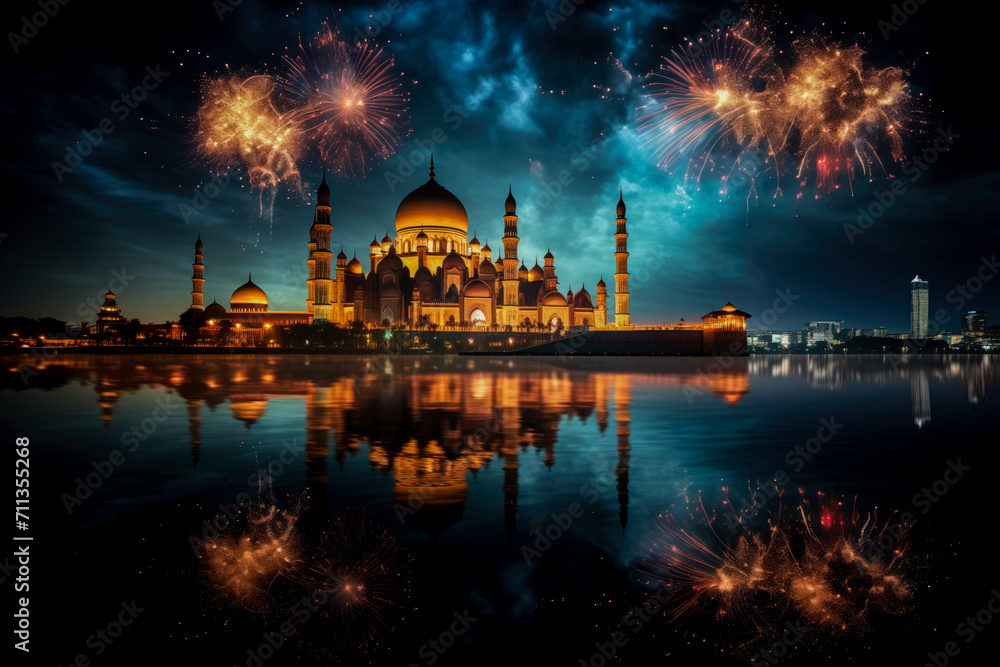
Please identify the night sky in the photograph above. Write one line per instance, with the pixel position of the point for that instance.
(538, 92)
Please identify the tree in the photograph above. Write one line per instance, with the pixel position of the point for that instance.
(190, 321)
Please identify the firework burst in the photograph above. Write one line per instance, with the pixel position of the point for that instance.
(347, 98)
(730, 105)
(821, 564)
(243, 568)
(360, 574)
(239, 127)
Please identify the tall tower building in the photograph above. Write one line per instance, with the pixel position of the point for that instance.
(198, 277)
(511, 284)
(918, 308)
(321, 283)
(621, 268)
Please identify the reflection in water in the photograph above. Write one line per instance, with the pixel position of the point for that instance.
(823, 563)
(920, 395)
(428, 421)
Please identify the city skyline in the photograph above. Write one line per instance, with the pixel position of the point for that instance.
(489, 95)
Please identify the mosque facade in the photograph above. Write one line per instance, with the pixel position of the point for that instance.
(431, 272)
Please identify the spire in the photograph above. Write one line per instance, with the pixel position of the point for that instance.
(432, 166)
(621, 204)
(250, 277)
(323, 192)
(510, 206)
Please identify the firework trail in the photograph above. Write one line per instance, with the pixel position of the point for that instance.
(826, 114)
(239, 127)
(821, 563)
(348, 99)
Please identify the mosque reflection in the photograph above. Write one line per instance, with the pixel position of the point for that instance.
(429, 422)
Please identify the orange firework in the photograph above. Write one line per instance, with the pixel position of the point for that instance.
(239, 127)
(822, 565)
(244, 567)
(348, 98)
(729, 105)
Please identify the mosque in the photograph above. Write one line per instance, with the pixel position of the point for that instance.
(432, 272)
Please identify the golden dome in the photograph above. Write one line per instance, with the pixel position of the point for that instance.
(477, 288)
(554, 298)
(431, 206)
(354, 266)
(248, 295)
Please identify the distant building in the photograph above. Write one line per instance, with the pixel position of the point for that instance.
(815, 332)
(918, 308)
(974, 324)
(109, 318)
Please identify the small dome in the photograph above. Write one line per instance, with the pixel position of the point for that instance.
(536, 272)
(582, 299)
(522, 272)
(215, 308)
(341, 254)
(392, 262)
(548, 254)
(386, 239)
(510, 206)
(729, 307)
(248, 297)
(421, 235)
(453, 261)
(354, 266)
(474, 241)
(477, 289)
(374, 243)
(554, 298)
(499, 266)
(601, 285)
(423, 274)
(486, 268)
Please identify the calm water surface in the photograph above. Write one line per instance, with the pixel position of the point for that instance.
(448, 470)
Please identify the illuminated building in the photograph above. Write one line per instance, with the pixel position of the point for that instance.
(918, 308)
(974, 324)
(109, 317)
(432, 274)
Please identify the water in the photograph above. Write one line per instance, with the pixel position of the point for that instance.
(468, 464)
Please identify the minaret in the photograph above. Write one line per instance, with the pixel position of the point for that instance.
(474, 255)
(621, 268)
(198, 277)
(550, 282)
(340, 287)
(623, 421)
(601, 316)
(322, 291)
(511, 288)
(374, 253)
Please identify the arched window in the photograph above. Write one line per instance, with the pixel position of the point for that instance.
(478, 318)
(388, 313)
(406, 247)
(554, 324)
